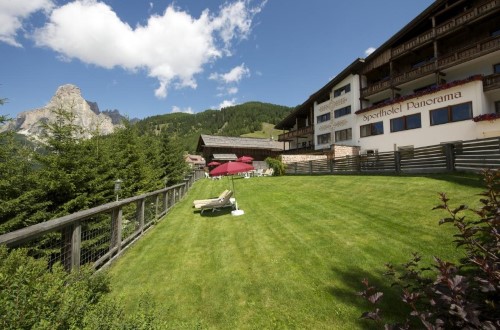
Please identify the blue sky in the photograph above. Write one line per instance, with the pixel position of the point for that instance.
(150, 57)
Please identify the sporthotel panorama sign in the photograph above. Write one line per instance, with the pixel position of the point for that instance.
(413, 104)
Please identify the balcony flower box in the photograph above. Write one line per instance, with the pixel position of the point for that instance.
(487, 116)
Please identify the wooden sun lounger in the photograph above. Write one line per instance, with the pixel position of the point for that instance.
(199, 202)
(220, 203)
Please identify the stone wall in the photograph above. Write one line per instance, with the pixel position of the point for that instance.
(288, 159)
(340, 151)
(337, 151)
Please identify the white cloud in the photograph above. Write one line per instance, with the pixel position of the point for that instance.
(369, 51)
(234, 76)
(171, 48)
(14, 12)
(178, 109)
(235, 21)
(232, 90)
(227, 103)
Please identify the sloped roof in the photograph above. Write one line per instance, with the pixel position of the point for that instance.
(303, 109)
(238, 142)
(225, 157)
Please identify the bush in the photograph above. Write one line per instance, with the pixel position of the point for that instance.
(466, 295)
(277, 166)
(32, 296)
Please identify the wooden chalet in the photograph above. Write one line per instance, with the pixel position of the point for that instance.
(211, 146)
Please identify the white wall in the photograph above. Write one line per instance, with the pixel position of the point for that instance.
(427, 134)
(344, 122)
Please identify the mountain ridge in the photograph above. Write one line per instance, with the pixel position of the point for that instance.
(69, 98)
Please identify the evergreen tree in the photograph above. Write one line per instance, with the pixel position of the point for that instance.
(128, 160)
(173, 165)
(22, 203)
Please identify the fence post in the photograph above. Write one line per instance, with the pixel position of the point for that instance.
(450, 157)
(186, 186)
(76, 245)
(157, 206)
(331, 165)
(140, 213)
(116, 230)
(165, 202)
(397, 161)
(71, 237)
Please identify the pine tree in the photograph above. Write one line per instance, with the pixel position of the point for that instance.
(173, 165)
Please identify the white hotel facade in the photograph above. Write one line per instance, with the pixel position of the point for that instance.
(435, 81)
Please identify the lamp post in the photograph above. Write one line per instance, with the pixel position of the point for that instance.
(118, 187)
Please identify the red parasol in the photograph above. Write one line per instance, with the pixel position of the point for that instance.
(214, 163)
(245, 159)
(230, 168)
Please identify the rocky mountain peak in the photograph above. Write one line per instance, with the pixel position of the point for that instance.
(69, 98)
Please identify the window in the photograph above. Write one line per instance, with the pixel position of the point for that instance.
(406, 122)
(342, 112)
(372, 129)
(343, 135)
(324, 138)
(342, 90)
(323, 118)
(452, 113)
(496, 68)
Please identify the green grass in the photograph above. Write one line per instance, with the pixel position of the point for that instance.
(266, 132)
(297, 256)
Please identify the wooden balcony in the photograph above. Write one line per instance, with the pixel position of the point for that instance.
(462, 55)
(301, 132)
(491, 82)
(483, 9)
(470, 52)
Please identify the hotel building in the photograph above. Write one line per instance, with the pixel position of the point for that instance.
(435, 81)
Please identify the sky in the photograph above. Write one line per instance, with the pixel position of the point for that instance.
(153, 57)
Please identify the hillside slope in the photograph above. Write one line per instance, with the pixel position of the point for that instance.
(231, 121)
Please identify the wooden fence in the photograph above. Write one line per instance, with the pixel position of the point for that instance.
(471, 155)
(99, 234)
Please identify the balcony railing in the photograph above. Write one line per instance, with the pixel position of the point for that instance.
(491, 82)
(448, 60)
(301, 132)
(455, 23)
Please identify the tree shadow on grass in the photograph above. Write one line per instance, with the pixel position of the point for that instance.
(350, 283)
(214, 214)
(472, 180)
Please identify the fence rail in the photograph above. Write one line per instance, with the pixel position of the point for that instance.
(471, 155)
(99, 234)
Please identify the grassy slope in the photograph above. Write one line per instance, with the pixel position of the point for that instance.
(295, 259)
(266, 132)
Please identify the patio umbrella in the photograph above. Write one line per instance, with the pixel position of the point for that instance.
(231, 168)
(214, 163)
(245, 159)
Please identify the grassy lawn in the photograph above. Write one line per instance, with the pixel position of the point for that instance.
(297, 256)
